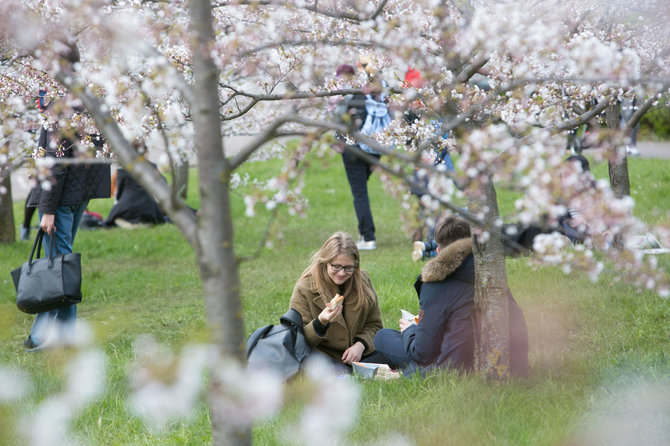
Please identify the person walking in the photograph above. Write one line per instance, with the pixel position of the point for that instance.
(353, 111)
(60, 208)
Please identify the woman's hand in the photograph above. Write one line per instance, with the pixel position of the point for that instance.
(48, 223)
(328, 315)
(353, 353)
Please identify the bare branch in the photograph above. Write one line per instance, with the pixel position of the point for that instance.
(639, 113)
(313, 8)
(241, 113)
(582, 119)
(471, 69)
(313, 42)
(262, 241)
(261, 139)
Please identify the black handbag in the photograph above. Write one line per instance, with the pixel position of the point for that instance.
(47, 283)
(279, 347)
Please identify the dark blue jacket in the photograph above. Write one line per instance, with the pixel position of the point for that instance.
(444, 335)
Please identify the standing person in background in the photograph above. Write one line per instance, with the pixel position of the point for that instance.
(353, 111)
(340, 333)
(28, 212)
(627, 106)
(60, 208)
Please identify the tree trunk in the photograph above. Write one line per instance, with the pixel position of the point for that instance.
(7, 229)
(218, 265)
(181, 179)
(491, 315)
(618, 170)
(619, 180)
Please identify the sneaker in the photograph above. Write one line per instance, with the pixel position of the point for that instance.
(417, 255)
(29, 343)
(633, 151)
(24, 233)
(419, 246)
(366, 246)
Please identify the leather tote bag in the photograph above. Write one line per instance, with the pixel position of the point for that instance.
(47, 283)
(279, 347)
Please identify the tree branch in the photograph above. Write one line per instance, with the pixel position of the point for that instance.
(639, 113)
(582, 119)
(143, 171)
(313, 42)
(312, 8)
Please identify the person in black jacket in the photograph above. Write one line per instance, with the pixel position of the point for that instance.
(61, 205)
(134, 205)
(351, 111)
(444, 333)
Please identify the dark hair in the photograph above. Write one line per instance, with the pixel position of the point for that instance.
(345, 69)
(581, 160)
(449, 229)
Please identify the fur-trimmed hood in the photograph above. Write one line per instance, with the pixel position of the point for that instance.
(448, 260)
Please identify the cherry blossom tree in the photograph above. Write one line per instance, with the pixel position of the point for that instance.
(178, 77)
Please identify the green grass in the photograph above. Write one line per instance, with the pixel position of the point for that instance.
(589, 342)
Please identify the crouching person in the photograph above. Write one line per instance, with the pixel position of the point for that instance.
(443, 337)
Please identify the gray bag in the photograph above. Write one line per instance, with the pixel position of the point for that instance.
(279, 347)
(45, 284)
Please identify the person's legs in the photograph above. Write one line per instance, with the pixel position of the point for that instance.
(388, 344)
(338, 367)
(374, 358)
(24, 230)
(358, 172)
(60, 322)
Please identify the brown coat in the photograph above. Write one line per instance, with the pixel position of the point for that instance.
(349, 326)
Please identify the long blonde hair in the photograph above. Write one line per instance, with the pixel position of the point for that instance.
(338, 243)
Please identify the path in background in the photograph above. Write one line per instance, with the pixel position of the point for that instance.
(648, 149)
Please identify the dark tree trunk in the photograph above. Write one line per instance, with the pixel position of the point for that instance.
(491, 316)
(7, 229)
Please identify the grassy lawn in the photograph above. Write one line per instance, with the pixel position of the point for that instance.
(599, 352)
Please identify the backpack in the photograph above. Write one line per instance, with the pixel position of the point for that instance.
(377, 118)
(279, 347)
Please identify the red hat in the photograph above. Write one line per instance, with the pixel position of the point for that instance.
(413, 78)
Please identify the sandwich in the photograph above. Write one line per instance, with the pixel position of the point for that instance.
(335, 302)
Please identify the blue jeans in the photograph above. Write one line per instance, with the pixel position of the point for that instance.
(358, 172)
(388, 343)
(60, 322)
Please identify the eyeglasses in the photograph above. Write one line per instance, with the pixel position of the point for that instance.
(347, 269)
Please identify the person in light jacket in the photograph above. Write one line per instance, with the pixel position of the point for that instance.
(346, 333)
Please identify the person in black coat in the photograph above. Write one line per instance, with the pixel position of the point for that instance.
(134, 205)
(61, 205)
(443, 337)
(351, 111)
